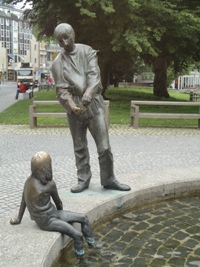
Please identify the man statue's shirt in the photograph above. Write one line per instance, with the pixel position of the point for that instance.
(76, 73)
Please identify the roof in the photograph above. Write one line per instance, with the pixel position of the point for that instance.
(3, 14)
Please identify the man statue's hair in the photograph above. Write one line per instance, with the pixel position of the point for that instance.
(62, 28)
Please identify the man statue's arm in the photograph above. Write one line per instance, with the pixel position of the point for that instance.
(62, 91)
(93, 78)
(22, 208)
(65, 99)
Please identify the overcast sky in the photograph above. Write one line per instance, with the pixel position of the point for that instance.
(20, 5)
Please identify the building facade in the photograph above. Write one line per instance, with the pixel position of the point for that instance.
(17, 42)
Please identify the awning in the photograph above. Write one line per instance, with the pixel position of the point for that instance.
(10, 57)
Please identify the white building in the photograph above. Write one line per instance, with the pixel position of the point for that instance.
(191, 80)
(17, 42)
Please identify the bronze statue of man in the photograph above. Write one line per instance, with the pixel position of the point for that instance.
(38, 190)
(78, 87)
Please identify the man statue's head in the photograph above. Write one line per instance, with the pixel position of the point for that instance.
(65, 36)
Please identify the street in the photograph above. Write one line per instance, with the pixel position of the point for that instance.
(7, 94)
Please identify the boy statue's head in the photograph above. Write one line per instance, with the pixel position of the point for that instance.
(41, 167)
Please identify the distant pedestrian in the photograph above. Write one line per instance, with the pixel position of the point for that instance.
(22, 89)
(50, 82)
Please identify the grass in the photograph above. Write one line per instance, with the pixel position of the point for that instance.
(119, 108)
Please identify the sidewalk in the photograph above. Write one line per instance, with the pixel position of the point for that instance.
(157, 163)
(8, 93)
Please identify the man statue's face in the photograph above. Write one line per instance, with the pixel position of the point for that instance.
(66, 40)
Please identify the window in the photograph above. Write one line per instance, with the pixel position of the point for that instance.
(25, 72)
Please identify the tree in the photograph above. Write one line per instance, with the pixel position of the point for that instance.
(162, 33)
(177, 45)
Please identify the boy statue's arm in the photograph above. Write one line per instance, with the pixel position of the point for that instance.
(56, 198)
(22, 208)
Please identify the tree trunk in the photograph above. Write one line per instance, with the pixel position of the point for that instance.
(160, 79)
(105, 76)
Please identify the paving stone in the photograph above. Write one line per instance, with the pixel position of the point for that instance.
(175, 250)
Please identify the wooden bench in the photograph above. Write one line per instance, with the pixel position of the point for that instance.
(33, 114)
(135, 114)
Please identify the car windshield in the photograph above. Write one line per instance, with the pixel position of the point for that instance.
(25, 72)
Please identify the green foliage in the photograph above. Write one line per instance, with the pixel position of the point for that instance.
(146, 29)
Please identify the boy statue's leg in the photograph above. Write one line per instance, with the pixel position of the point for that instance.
(72, 217)
(66, 228)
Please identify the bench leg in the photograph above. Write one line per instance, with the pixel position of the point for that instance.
(132, 111)
(134, 121)
(32, 120)
(131, 120)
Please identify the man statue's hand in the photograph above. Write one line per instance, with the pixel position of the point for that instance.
(15, 221)
(79, 111)
(86, 99)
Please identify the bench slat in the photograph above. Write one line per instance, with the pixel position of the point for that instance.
(46, 102)
(165, 103)
(169, 115)
(56, 114)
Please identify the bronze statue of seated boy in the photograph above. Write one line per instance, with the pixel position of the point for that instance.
(37, 193)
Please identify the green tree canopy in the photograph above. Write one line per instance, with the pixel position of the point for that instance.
(162, 33)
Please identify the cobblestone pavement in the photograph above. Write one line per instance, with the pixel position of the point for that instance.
(164, 234)
(134, 150)
(143, 158)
